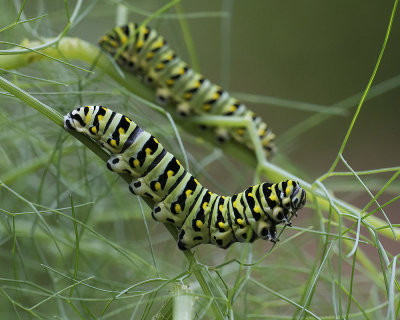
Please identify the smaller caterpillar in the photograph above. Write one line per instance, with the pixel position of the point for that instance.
(200, 215)
(142, 51)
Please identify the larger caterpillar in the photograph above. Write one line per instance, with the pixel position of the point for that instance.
(143, 52)
(200, 215)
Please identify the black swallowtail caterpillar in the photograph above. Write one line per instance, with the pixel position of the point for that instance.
(200, 215)
(143, 52)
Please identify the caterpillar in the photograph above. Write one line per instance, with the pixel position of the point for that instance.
(200, 215)
(142, 51)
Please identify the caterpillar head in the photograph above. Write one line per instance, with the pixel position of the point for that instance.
(289, 198)
(75, 120)
(292, 196)
(114, 39)
(298, 198)
(118, 44)
(80, 120)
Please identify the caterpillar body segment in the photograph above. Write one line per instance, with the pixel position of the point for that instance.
(200, 215)
(142, 51)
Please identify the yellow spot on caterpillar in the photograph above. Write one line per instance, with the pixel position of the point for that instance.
(114, 43)
(216, 96)
(220, 207)
(121, 130)
(265, 143)
(170, 173)
(239, 221)
(210, 193)
(124, 38)
(155, 140)
(205, 204)
(234, 204)
(87, 119)
(177, 161)
(181, 71)
(157, 186)
(113, 143)
(150, 55)
(128, 120)
(188, 192)
(148, 151)
(240, 131)
(136, 163)
(188, 95)
(290, 182)
(199, 224)
(139, 44)
(93, 130)
(223, 197)
(221, 225)
(207, 107)
(170, 82)
(197, 84)
(250, 194)
(261, 132)
(288, 190)
(195, 180)
(273, 197)
(178, 208)
(257, 209)
(160, 66)
(233, 108)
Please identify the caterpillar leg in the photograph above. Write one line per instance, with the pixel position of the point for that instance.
(266, 230)
(163, 95)
(220, 228)
(137, 187)
(117, 163)
(183, 109)
(222, 235)
(196, 229)
(176, 206)
(222, 134)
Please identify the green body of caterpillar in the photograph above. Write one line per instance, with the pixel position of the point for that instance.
(200, 215)
(143, 52)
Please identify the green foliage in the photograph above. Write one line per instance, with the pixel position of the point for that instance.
(76, 244)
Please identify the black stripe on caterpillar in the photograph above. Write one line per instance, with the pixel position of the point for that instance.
(200, 215)
(145, 53)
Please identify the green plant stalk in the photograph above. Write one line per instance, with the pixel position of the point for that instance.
(57, 118)
(75, 48)
(336, 161)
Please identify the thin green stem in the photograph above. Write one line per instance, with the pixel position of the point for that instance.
(353, 121)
